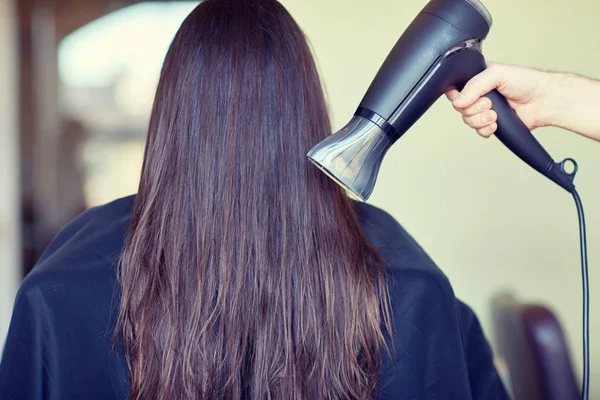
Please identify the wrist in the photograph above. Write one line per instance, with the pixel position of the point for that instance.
(554, 107)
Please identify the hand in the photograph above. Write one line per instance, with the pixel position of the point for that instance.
(527, 92)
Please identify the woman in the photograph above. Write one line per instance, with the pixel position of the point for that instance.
(239, 270)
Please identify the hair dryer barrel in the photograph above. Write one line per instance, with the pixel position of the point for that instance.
(439, 27)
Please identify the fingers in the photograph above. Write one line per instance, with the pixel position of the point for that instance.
(482, 105)
(488, 130)
(452, 94)
(478, 115)
(480, 120)
(478, 86)
(477, 110)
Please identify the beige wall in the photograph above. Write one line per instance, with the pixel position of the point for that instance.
(488, 220)
(9, 260)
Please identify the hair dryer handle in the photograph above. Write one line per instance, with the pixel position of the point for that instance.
(513, 133)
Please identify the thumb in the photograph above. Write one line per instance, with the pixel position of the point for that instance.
(479, 85)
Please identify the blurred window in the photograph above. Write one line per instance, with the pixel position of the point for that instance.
(108, 72)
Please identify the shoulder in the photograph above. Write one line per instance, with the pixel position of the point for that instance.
(92, 226)
(409, 269)
(427, 321)
(384, 232)
(82, 254)
(70, 298)
(92, 230)
(398, 248)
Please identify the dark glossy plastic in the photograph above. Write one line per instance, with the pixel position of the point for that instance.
(426, 39)
(454, 71)
(440, 50)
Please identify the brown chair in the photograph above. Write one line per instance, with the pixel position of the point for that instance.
(530, 340)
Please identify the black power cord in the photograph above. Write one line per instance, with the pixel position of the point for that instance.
(586, 299)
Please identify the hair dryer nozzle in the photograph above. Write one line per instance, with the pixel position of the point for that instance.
(352, 156)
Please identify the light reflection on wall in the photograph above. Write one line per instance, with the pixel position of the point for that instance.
(108, 71)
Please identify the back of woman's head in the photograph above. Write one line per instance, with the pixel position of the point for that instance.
(245, 273)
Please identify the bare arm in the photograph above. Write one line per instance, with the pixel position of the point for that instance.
(578, 105)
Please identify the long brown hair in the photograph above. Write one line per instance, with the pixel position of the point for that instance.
(245, 273)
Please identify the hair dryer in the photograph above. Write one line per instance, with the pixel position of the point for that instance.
(440, 50)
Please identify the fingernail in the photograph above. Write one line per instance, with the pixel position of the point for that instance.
(485, 118)
(481, 105)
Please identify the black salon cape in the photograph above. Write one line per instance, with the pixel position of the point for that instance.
(58, 344)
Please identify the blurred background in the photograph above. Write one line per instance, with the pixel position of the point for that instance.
(77, 80)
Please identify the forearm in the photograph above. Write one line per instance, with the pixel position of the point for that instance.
(574, 104)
